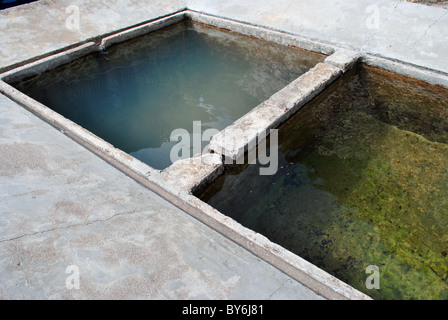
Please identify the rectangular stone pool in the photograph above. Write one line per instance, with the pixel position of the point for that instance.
(362, 181)
(135, 94)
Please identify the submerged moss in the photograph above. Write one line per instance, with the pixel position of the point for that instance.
(400, 196)
(361, 182)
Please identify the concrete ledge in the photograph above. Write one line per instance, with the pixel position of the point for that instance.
(343, 59)
(233, 141)
(408, 70)
(261, 32)
(311, 276)
(48, 63)
(189, 174)
(141, 30)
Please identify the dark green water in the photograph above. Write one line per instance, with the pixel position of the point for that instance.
(362, 180)
(143, 89)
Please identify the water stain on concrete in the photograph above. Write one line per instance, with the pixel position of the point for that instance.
(33, 194)
(21, 126)
(69, 207)
(18, 157)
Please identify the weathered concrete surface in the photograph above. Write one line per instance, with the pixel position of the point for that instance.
(343, 59)
(187, 174)
(60, 205)
(155, 253)
(408, 32)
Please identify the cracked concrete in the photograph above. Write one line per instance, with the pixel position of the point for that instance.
(67, 227)
(147, 257)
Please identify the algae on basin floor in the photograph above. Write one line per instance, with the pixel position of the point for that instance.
(138, 92)
(362, 180)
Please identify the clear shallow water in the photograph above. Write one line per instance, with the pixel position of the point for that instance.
(362, 180)
(143, 89)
